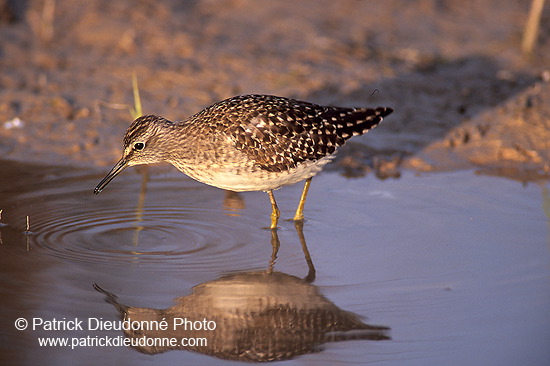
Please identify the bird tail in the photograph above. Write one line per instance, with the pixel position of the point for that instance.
(358, 121)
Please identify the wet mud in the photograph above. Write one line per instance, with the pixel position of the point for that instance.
(463, 93)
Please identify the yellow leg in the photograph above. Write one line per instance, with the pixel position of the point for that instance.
(275, 245)
(275, 213)
(300, 210)
(299, 225)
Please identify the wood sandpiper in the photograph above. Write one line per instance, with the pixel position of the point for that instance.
(248, 143)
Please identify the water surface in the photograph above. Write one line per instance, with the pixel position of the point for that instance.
(454, 265)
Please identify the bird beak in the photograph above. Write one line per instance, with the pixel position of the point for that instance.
(122, 163)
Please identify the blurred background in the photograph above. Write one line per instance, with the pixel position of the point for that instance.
(464, 90)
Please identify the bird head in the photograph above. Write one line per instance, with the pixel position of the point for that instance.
(141, 143)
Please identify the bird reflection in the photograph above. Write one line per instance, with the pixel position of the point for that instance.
(276, 243)
(257, 316)
(233, 202)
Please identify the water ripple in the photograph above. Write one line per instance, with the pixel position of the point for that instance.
(176, 223)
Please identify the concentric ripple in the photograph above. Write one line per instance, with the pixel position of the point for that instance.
(176, 221)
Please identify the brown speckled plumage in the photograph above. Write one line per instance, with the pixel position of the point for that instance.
(249, 142)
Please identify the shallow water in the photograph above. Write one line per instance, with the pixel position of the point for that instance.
(456, 265)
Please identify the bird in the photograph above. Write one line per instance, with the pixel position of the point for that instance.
(253, 142)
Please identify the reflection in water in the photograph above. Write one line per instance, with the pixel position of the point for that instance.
(141, 204)
(545, 200)
(233, 202)
(256, 316)
(68, 225)
(276, 243)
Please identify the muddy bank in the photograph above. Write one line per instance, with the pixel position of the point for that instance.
(512, 139)
(452, 70)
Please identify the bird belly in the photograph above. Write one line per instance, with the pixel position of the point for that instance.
(253, 178)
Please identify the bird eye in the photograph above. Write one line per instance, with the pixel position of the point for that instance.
(139, 146)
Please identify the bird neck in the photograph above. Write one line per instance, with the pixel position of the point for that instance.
(178, 143)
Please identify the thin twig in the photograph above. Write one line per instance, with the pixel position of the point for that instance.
(136, 111)
(532, 27)
(48, 15)
(27, 232)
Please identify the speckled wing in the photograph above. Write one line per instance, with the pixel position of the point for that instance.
(280, 133)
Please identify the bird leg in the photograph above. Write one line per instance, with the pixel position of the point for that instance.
(299, 216)
(275, 213)
(275, 245)
(299, 226)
